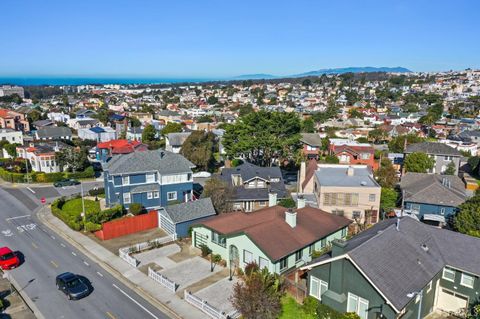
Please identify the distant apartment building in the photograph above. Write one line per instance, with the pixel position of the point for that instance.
(12, 136)
(13, 120)
(6, 90)
(352, 152)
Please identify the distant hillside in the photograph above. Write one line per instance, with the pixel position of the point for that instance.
(367, 69)
(258, 76)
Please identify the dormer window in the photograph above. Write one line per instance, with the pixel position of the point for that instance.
(236, 179)
(274, 180)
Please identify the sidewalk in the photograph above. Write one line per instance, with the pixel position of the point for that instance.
(133, 278)
(16, 306)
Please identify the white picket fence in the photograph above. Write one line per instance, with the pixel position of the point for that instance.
(161, 279)
(203, 305)
(125, 252)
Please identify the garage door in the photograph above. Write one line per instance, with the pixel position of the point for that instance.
(166, 224)
(200, 240)
(451, 301)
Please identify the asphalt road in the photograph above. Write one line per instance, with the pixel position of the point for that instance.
(47, 255)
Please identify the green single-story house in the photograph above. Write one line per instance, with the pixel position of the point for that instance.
(396, 268)
(277, 238)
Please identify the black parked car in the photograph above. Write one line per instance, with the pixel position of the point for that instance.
(66, 182)
(72, 285)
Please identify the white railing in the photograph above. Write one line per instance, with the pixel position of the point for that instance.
(125, 252)
(202, 305)
(161, 279)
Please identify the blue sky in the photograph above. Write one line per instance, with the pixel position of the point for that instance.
(203, 38)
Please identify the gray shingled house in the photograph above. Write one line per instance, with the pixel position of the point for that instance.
(397, 267)
(442, 153)
(177, 219)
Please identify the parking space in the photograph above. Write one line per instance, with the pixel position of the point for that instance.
(190, 271)
(218, 294)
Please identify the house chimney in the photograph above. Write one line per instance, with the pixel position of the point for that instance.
(338, 247)
(300, 201)
(350, 171)
(272, 199)
(291, 217)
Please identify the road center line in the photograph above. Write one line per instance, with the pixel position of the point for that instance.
(54, 264)
(86, 264)
(110, 315)
(63, 245)
(53, 237)
(136, 302)
(18, 217)
(34, 245)
(73, 253)
(100, 274)
(31, 190)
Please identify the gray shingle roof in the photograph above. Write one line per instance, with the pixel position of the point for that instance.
(396, 262)
(312, 139)
(190, 210)
(53, 132)
(177, 139)
(432, 148)
(336, 175)
(429, 189)
(148, 161)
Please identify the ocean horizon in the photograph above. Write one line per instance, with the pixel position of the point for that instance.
(56, 81)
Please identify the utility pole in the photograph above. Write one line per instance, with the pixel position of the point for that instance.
(83, 208)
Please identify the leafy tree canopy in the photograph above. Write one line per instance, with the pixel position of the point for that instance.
(263, 137)
(385, 174)
(397, 144)
(467, 221)
(418, 162)
(220, 193)
(149, 133)
(388, 199)
(172, 127)
(198, 148)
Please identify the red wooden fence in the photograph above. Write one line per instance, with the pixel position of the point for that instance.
(127, 225)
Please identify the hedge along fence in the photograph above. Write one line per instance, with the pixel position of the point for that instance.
(39, 177)
(75, 220)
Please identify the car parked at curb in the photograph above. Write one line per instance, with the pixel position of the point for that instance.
(66, 182)
(73, 286)
(8, 259)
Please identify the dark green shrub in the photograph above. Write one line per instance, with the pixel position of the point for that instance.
(251, 267)
(96, 192)
(325, 312)
(205, 250)
(92, 227)
(136, 209)
(216, 258)
(287, 203)
(236, 162)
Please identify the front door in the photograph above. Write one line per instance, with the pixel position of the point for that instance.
(233, 256)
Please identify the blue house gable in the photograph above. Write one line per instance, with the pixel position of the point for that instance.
(432, 197)
(152, 178)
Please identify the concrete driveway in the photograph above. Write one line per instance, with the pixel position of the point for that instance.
(190, 271)
(218, 294)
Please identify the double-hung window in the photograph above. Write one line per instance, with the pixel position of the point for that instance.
(467, 280)
(262, 263)
(125, 180)
(150, 177)
(172, 196)
(448, 274)
(126, 198)
(283, 264)
(317, 287)
(247, 256)
(298, 255)
(358, 305)
(371, 197)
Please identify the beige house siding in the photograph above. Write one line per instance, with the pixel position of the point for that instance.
(364, 202)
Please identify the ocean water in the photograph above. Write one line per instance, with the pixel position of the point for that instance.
(96, 80)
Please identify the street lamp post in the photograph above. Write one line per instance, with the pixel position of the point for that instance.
(420, 295)
(83, 208)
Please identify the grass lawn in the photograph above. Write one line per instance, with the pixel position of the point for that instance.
(293, 310)
(74, 207)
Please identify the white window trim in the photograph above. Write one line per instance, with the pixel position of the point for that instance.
(359, 300)
(128, 180)
(429, 286)
(247, 253)
(465, 285)
(448, 279)
(170, 199)
(320, 283)
(127, 198)
(149, 195)
(151, 179)
(156, 194)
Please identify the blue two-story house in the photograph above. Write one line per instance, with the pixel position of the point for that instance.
(153, 178)
(432, 198)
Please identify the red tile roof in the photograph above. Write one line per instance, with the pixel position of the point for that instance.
(268, 229)
(120, 146)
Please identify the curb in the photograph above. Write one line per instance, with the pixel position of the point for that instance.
(33, 307)
(112, 271)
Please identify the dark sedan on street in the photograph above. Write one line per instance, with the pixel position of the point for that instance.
(66, 182)
(73, 286)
